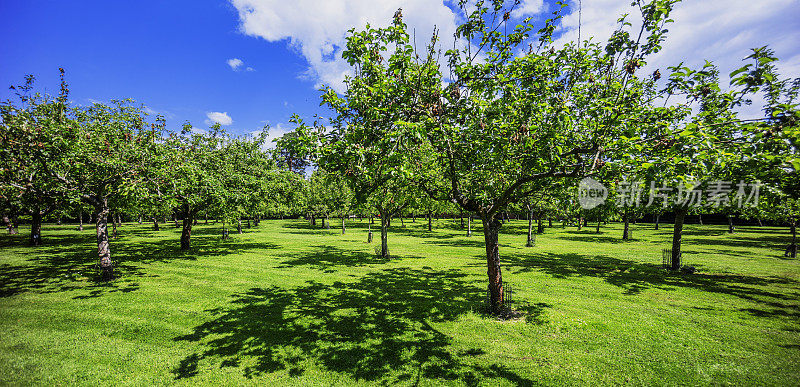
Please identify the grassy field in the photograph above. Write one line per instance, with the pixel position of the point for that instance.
(288, 304)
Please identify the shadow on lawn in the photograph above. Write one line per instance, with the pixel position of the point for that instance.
(327, 257)
(635, 277)
(379, 328)
(69, 262)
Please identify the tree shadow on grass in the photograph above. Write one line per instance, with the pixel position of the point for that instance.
(381, 328)
(327, 257)
(71, 264)
(635, 277)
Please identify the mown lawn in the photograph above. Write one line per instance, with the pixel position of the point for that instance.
(288, 304)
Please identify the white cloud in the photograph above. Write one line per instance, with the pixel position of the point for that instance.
(722, 31)
(317, 29)
(273, 133)
(528, 8)
(218, 117)
(235, 63)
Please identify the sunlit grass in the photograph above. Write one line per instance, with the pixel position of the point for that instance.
(287, 303)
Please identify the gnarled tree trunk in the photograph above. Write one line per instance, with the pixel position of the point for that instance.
(626, 229)
(529, 243)
(429, 221)
(677, 233)
(36, 228)
(103, 246)
(385, 234)
(491, 230)
(186, 233)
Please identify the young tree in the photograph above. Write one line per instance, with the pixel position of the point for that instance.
(32, 128)
(514, 119)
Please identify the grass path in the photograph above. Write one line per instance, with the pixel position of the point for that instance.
(288, 304)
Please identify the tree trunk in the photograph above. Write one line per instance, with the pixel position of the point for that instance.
(626, 229)
(369, 234)
(677, 233)
(36, 228)
(384, 235)
(103, 247)
(730, 225)
(539, 226)
(700, 219)
(491, 230)
(248, 222)
(760, 224)
(239, 225)
(469, 225)
(402, 223)
(186, 234)
(80, 221)
(585, 222)
(313, 220)
(326, 223)
(114, 225)
(429, 222)
(597, 230)
(549, 222)
(206, 215)
(9, 225)
(580, 223)
(155, 224)
(344, 228)
(791, 251)
(530, 230)
(175, 218)
(658, 217)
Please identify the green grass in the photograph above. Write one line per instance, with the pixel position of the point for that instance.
(287, 304)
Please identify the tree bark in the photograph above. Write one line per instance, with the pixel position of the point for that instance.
(658, 217)
(491, 230)
(344, 228)
(186, 234)
(469, 225)
(9, 225)
(385, 234)
(730, 225)
(530, 230)
(677, 233)
(103, 247)
(429, 221)
(791, 251)
(80, 220)
(175, 218)
(626, 229)
(369, 234)
(239, 225)
(549, 222)
(597, 230)
(700, 219)
(114, 225)
(155, 224)
(36, 228)
(539, 226)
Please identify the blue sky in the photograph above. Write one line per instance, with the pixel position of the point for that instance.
(170, 55)
(173, 55)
